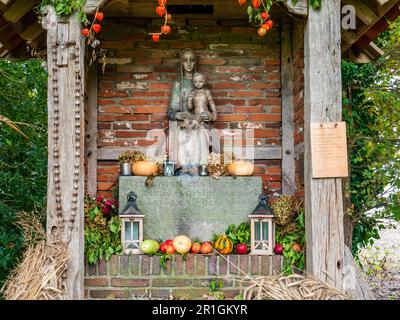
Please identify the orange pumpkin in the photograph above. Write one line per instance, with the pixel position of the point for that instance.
(241, 168)
(144, 168)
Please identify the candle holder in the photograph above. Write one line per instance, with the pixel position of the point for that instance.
(203, 170)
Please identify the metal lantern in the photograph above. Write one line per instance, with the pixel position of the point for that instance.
(132, 226)
(262, 228)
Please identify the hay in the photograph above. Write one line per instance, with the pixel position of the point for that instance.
(39, 275)
(292, 287)
(281, 287)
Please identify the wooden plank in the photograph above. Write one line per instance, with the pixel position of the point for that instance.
(260, 153)
(18, 10)
(90, 6)
(363, 11)
(300, 8)
(382, 10)
(322, 103)
(288, 163)
(355, 284)
(65, 187)
(32, 32)
(91, 132)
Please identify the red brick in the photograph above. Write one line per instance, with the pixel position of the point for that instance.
(265, 117)
(265, 85)
(275, 185)
(130, 282)
(273, 170)
(145, 265)
(115, 109)
(232, 117)
(171, 282)
(230, 101)
(212, 62)
(116, 44)
(122, 125)
(105, 102)
(255, 264)
(266, 133)
(107, 195)
(159, 117)
(268, 177)
(108, 294)
(189, 264)
(133, 117)
(223, 265)
(105, 178)
(109, 170)
(104, 125)
(247, 93)
(148, 94)
(96, 282)
(161, 86)
(178, 265)
(265, 101)
(271, 62)
(105, 185)
(134, 102)
(148, 126)
(183, 45)
(226, 69)
(244, 263)
(102, 117)
(112, 93)
(227, 85)
(130, 134)
(256, 109)
(150, 109)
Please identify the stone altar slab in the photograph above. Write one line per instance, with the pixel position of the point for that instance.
(195, 206)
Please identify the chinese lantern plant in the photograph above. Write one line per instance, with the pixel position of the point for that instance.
(161, 11)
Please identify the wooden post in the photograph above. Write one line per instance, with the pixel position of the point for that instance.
(288, 163)
(322, 103)
(65, 188)
(91, 132)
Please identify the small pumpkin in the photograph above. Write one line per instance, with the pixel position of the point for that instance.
(223, 244)
(182, 244)
(144, 168)
(241, 168)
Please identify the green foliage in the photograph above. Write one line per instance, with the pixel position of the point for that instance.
(239, 234)
(66, 7)
(23, 163)
(102, 230)
(294, 257)
(163, 260)
(371, 108)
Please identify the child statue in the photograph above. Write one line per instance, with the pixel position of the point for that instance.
(201, 102)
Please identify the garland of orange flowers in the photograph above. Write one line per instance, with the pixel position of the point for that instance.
(162, 11)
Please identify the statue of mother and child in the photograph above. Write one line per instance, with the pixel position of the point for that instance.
(191, 112)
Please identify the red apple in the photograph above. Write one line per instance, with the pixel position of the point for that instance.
(169, 242)
(206, 248)
(195, 247)
(163, 247)
(170, 249)
(241, 248)
(296, 247)
(278, 249)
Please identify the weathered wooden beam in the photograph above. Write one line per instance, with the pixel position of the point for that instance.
(322, 101)
(91, 6)
(18, 10)
(288, 162)
(355, 285)
(32, 32)
(91, 132)
(65, 184)
(260, 153)
(300, 8)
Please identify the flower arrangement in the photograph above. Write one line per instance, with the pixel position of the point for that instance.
(131, 156)
(102, 229)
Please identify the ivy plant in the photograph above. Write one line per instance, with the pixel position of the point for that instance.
(66, 7)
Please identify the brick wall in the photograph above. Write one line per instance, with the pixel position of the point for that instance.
(298, 63)
(140, 276)
(243, 73)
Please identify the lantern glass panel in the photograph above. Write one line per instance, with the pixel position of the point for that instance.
(128, 230)
(135, 230)
(257, 228)
(264, 226)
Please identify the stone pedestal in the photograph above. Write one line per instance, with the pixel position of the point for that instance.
(195, 206)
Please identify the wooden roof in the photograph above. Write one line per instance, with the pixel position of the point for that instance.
(20, 29)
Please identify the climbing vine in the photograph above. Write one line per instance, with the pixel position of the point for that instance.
(66, 7)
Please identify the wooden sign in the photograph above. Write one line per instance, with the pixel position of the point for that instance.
(329, 150)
